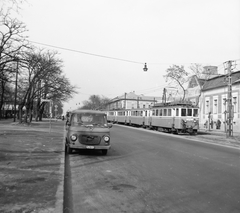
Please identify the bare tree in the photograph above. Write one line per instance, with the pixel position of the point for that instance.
(12, 43)
(42, 78)
(177, 75)
(197, 69)
(10, 5)
(95, 102)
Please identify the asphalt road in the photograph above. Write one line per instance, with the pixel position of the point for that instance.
(147, 171)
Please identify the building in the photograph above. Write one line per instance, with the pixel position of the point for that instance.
(211, 95)
(132, 101)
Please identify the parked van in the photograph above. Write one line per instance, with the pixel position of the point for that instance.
(87, 129)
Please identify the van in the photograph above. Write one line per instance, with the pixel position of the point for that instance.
(87, 129)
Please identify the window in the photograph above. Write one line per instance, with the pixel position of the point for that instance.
(234, 104)
(153, 113)
(160, 112)
(189, 112)
(157, 112)
(164, 112)
(169, 112)
(183, 112)
(195, 112)
(215, 106)
(224, 105)
(88, 118)
(177, 112)
(207, 107)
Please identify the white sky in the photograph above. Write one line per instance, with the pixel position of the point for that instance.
(158, 32)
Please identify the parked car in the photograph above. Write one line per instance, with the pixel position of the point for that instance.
(87, 129)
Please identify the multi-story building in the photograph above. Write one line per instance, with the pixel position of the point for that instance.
(132, 101)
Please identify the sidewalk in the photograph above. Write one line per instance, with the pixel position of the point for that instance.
(220, 137)
(32, 167)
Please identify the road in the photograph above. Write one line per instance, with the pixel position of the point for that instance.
(147, 171)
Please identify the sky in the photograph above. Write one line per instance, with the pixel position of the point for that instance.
(105, 43)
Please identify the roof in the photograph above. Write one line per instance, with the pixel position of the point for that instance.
(221, 81)
(87, 111)
(201, 81)
(133, 96)
(175, 103)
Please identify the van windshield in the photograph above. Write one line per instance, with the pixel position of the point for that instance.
(89, 119)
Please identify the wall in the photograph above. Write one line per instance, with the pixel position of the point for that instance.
(214, 101)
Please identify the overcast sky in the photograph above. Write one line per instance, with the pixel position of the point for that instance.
(158, 32)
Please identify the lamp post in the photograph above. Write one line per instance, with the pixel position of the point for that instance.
(15, 98)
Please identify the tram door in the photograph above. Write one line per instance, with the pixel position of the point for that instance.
(145, 117)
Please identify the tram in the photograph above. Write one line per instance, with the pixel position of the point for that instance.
(174, 117)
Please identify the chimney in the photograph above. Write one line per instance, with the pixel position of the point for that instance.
(210, 70)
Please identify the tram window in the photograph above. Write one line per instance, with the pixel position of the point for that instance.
(160, 112)
(153, 113)
(177, 112)
(164, 112)
(169, 112)
(157, 112)
(183, 112)
(195, 112)
(189, 112)
(145, 113)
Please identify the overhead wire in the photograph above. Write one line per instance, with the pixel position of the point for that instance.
(87, 53)
(115, 58)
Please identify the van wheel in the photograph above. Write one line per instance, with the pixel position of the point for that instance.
(104, 151)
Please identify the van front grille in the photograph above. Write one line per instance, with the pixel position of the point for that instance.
(90, 139)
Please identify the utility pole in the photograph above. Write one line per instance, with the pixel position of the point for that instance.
(15, 98)
(228, 64)
(164, 97)
(125, 100)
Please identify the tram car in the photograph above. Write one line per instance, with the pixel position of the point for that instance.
(175, 117)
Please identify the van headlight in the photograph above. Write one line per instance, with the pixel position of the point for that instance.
(106, 138)
(73, 137)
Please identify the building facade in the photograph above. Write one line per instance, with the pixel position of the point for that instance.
(212, 95)
(132, 101)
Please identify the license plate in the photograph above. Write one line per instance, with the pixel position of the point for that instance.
(90, 147)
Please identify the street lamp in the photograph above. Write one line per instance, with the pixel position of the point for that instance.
(145, 69)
